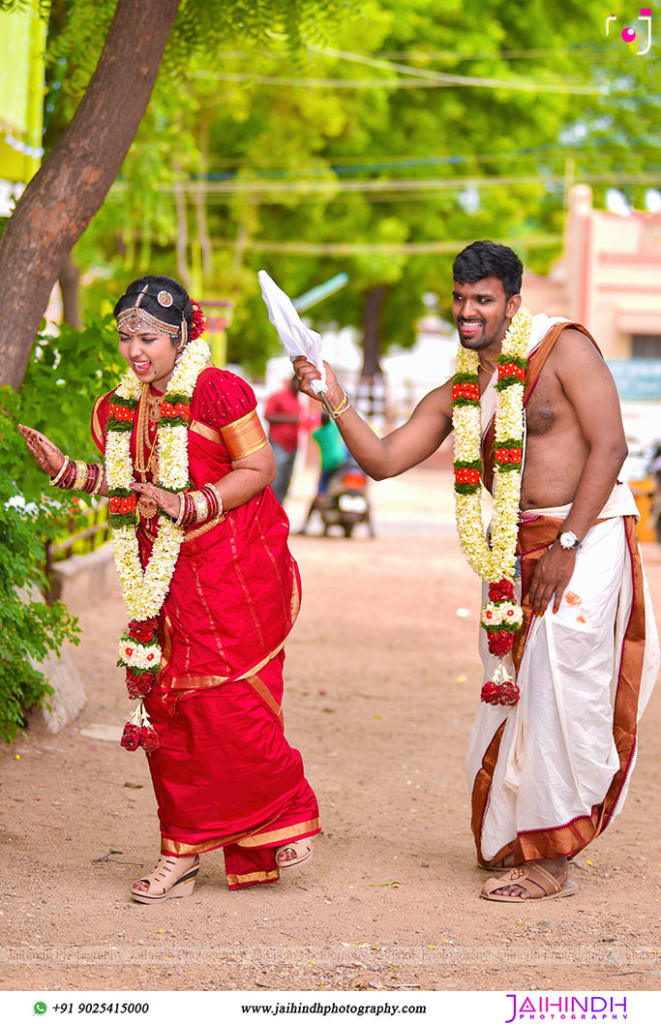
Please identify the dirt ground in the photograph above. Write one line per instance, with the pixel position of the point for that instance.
(383, 682)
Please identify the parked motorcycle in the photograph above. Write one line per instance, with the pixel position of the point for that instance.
(345, 502)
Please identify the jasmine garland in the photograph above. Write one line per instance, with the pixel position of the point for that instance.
(494, 561)
(144, 590)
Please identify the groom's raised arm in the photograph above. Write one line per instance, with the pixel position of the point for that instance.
(407, 446)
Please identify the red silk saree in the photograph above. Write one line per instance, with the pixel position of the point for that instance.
(224, 774)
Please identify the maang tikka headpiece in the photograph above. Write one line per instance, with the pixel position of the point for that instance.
(135, 318)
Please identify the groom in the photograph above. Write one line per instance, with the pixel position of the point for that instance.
(550, 772)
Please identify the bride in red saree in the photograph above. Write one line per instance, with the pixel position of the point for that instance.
(212, 591)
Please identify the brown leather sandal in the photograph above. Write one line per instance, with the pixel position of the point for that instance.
(164, 884)
(539, 882)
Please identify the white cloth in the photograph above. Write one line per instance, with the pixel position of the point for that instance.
(620, 502)
(557, 756)
(297, 339)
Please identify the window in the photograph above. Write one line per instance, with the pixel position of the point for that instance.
(646, 346)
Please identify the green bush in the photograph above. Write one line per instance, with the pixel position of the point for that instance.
(29, 628)
(66, 373)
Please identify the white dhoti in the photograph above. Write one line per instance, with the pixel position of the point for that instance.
(549, 774)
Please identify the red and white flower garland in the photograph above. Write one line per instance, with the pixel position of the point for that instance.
(494, 561)
(145, 589)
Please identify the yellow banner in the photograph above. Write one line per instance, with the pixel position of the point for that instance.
(22, 44)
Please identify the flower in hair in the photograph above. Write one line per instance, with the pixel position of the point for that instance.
(199, 321)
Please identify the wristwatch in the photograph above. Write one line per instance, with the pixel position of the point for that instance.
(568, 540)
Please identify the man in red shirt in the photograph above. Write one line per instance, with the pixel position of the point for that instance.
(283, 415)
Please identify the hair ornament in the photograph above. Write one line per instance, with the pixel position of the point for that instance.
(164, 299)
(141, 294)
(199, 321)
(136, 319)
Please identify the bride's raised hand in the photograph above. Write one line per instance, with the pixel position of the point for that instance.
(47, 454)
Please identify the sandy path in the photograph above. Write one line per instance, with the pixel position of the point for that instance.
(383, 682)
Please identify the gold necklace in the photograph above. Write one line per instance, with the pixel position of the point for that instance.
(149, 411)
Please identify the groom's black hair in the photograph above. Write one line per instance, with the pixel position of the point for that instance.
(488, 259)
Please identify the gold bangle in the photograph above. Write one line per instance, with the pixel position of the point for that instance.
(81, 476)
(201, 506)
(54, 480)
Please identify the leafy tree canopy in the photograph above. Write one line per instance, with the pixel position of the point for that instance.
(422, 124)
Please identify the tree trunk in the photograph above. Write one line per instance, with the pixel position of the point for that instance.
(68, 278)
(61, 199)
(374, 299)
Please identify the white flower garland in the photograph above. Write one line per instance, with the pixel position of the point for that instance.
(144, 590)
(496, 561)
(505, 613)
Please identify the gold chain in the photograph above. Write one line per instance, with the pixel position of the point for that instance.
(142, 432)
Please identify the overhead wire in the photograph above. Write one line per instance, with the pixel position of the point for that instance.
(302, 248)
(321, 83)
(439, 55)
(424, 78)
(466, 80)
(347, 165)
(422, 82)
(375, 190)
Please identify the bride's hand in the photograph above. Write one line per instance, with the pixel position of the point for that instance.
(48, 455)
(166, 500)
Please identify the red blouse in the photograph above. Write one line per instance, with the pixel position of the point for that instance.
(234, 594)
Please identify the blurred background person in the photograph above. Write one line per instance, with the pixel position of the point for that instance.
(334, 453)
(283, 415)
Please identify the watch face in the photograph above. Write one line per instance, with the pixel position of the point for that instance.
(568, 540)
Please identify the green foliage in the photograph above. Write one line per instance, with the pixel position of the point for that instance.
(207, 24)
(29, 628)
(78, 30)
(226, 107)
(140, 225)
(384, 136)
(17, 5)
(521, 147)
(64, 377)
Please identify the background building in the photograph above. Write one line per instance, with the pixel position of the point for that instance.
(609, 278)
